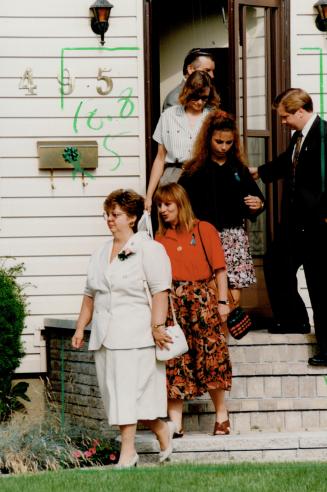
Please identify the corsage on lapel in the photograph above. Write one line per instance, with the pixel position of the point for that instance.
(126, 253)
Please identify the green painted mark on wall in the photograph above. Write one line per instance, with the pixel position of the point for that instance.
(125, 100)
(62, 62)
(322, 111)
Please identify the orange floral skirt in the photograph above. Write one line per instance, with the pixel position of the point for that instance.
(206, 365)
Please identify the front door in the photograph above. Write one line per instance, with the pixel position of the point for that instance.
(259, 70)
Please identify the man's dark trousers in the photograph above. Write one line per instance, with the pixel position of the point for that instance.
(301, 238)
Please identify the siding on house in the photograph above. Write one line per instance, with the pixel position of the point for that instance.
(307, 42)
(54, 231)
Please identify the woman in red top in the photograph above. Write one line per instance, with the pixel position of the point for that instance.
(190, 245)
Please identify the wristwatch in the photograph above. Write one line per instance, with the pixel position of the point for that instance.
(223, 302)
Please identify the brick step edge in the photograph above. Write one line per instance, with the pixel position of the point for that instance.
(202, 448)
(259, 405)
(262, 337)
(282, 421)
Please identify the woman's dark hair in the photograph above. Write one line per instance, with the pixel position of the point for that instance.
(129, 201)
(215, 120)
(194, 86)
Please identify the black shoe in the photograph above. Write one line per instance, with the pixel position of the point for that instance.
(284, 328)
(178, 435)
(319, 359)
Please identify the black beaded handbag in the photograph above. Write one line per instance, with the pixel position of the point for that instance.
(239, 322)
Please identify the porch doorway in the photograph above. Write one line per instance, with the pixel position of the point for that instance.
(251, 49)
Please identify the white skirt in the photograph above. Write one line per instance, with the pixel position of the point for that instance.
(132, 384)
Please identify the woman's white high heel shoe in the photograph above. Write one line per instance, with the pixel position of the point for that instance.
(165, 454)
(130, 464)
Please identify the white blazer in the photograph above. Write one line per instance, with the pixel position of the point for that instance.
(122, 315)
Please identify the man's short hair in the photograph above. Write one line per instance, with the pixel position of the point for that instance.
(294, 99)
(192, 56)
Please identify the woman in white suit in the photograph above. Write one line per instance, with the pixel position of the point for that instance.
(124, 327)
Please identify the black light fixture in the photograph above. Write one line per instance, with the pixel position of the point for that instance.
(100, 21)
(321, 19)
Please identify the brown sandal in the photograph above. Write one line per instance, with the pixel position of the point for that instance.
(179, 434)
(222, 428)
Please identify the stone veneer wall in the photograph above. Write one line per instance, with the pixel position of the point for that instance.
(72, 377)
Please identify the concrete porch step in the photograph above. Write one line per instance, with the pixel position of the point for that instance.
(256, 446)
(273, 387)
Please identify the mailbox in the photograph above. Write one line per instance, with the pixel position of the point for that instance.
(65, 154)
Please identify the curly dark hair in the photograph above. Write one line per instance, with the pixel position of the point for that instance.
(215, 120)
(128, 200)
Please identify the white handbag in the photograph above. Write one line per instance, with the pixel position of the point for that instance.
(178, 346)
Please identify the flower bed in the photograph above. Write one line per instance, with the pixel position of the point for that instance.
(97, 452)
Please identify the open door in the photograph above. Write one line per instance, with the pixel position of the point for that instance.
(260, 71)
(171, 29)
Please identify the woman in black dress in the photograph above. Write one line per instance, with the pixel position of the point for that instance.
(223, 192)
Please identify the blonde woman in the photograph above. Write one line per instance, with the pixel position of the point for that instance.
(195, 252)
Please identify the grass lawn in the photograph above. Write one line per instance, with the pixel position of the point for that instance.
(244, 477)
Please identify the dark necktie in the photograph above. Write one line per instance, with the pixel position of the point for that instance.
(297, 150)
(295, 159)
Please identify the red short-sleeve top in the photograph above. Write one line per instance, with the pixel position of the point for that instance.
(187, 257)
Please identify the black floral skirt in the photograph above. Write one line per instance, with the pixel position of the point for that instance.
(206, 365)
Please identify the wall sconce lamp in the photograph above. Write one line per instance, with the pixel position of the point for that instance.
(100, 21)
(321, 19)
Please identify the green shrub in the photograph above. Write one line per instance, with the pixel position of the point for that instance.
(13, 311)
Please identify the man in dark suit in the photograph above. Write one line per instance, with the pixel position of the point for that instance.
(301, 238)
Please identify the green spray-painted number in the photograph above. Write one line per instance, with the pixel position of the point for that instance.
(125, 100)
(128, 106)
(112, 152)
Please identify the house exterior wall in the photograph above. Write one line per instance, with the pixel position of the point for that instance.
(53, 231)
(308, 44)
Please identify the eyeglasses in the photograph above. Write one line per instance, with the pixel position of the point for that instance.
(197, 97)
(114, 215)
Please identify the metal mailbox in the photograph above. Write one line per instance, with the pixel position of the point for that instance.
(63, 154)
